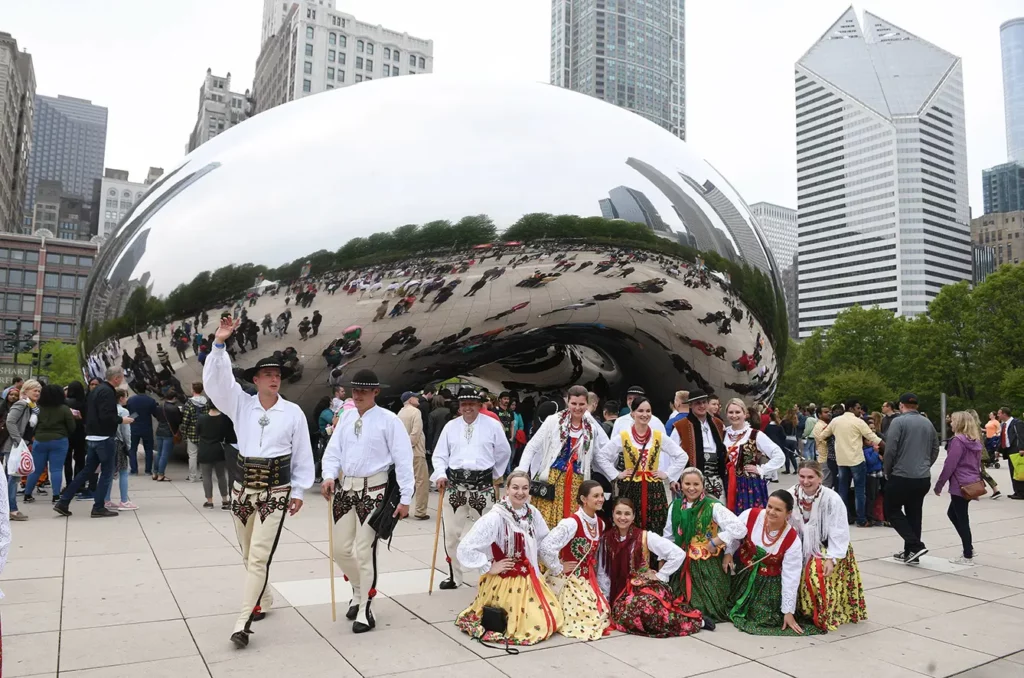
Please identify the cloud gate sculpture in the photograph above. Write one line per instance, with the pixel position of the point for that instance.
(543, 238)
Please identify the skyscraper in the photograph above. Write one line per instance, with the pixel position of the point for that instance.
(630, 204)
(1011, 40)
(219, 109)
(310, 47)
(881, 171)
(778, 224)
(69, 138)
(630, 53)
(1002, 188)
(17, 94)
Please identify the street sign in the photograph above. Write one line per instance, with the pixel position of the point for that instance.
(9, 371)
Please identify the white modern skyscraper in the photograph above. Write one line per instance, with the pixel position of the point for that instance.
(220, 109)
(309, 47)
(881, 171)
(779, 226)
(631, 53)
(1011, 41)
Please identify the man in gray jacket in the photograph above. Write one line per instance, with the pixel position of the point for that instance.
(911, 447)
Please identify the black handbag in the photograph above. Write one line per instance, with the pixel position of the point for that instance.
(383, 519)
(542, 490)
(495, 620)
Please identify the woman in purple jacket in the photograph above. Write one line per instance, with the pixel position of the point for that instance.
(962, 467)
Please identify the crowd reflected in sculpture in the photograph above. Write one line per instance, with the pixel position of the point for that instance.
(540, 239)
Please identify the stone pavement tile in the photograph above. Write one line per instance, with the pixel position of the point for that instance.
(893, 570)
(27, 545)
(994, 575)
(440, 606)
(423, 556)
(661, 656)
(300, 550)
(19, 591)
(117, 645)
(283, 645)
(993, 629)
(1016, 658)
(854, 630)
(31, 654)
(452, 631)
(208, 590)
(914, 652)
(313, 591)
(999, 560)
(404, 582)
(110, 546)
(106, 590)
(919, 596)
(965, 586)
(745, 670)
(1011, 527)
(416, 542)
(565, 660)
(397, 650)
(162, 542)
(299, 570)
(181, 667)
(874, 581)
(1013, 601)
(19, 618)
(997, 669)
(387, 613)
(830, 659)
(727, 637)
(873, 548)
(33, 568)
(397, 561)
(194, 558)
(477, 669)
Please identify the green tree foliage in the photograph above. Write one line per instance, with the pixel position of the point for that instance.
(65, 367)
(865, 385)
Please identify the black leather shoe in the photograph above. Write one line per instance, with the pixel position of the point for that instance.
(448, 585)
(259, 615)
(240, 639)
(360, 627)
(353, 611)
(708, 624)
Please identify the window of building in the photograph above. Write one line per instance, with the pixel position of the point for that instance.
(330, 74)
(126, 204)
(13, 302)
(369, 64)
(367, 78)
(3, 275)
(359, 78)
(360, 46)
(332, 39)
(307, 68)
(309, 50)
(49, 305)
(397, 55)
(17, 255)
(341, 58)
(28, 303)
(341, 75)
(81, 281)
(15, 277)
(330, 56)
(85, 262)
(64, 329)
(67, 282)
(330, 86)
(52, 258)
(48, 329)
(359, 62)
(309, 32)
(31, 279)
(423, 62)
(412, 60)
(67, 306)
(394, 70)
(369, 48)
(387, 52)
(51, 281)
(69, 260)
(112, 202)
(387, 69)
(342, 41)
(4, 252)
(307, 86)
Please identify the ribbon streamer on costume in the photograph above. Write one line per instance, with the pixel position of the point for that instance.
(760, 554)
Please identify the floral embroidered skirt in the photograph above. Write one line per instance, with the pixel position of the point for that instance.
(756, 606)
(652, 610)
(533, 611)
(709, 587)
(750, 493)
(835, 600)
(657, 503)
(553, 510)
(585, 611)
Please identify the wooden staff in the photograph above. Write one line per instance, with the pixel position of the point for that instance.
(330, 556)
(437, 535)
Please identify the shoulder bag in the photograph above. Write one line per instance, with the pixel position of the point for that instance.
(975, 490)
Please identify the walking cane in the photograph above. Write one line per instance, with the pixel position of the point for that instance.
(437, 535)
(330, 556)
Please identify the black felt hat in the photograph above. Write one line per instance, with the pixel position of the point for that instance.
(469, 393)
(696, 395)
(273, 362)
(365, 379)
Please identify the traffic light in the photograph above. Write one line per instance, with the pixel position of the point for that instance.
(46, 363)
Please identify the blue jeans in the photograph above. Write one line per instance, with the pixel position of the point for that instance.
(810, 451)
(164, 445)
(99, 454)
(133, 451)
(52, 452)
(859, 473)
(12, 490)
(122, 482)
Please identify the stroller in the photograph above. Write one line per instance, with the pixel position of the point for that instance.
(990, 455)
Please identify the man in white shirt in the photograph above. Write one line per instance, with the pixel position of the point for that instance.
(366, 443)
(274, 467)
(471, 452)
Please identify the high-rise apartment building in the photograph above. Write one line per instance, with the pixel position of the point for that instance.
(69, 138)
(314, 48)
(881, 172)
(778, 224)
(219, 109)
(1011, 41)
(1003, 188)
(118, 195)
(17, 100)
(1004, 233)
(630, 53)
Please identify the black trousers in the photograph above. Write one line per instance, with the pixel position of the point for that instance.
(957, 514)
(903, 504)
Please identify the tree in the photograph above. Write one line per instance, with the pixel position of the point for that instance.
(64, 367)
(1012, 390)
(864, 385)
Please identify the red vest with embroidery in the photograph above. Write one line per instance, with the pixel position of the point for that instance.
(582, 549)
(770, 566)
(521, 568)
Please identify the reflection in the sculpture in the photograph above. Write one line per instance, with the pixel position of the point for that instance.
(670, 287)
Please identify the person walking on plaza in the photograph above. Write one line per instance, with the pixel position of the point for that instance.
(1011, 441)
(164, 358)
(315, 322)
(122, 439)
(808, 449)
(366, 443)
(20, 421)
(274, 467)
(54, 429)
(215, 433)
(962, 472)
(194, 408)
(911, 447)
(412, 419)
(470, 454)
(849, 432)
(101, 422)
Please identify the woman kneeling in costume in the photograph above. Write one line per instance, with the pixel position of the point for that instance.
(503, 543)
(573, 545)
(642, 602)
(769, 562)
(703, 527)
(831, 592)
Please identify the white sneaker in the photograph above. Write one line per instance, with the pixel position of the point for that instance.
(127, 506)
(961, 560)
(110, 505)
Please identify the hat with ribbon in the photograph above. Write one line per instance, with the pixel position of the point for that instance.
(272, 362)
(365, 379)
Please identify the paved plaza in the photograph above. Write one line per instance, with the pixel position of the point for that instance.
(154, 593)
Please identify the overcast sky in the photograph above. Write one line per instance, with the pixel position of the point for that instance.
(145, 61)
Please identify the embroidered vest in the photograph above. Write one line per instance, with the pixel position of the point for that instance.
(641, 465)
(582, 549)
(521, 568)
(771, 565)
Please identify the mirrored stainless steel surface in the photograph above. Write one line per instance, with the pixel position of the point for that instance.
(696, 304)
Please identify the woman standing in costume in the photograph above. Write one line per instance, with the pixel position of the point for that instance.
(751, 457)
(767, 568)
(650, 457)
(503, 544)
(831, 592)
(560, 456)
(571, 548)
(642, 602)
(705, 528)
